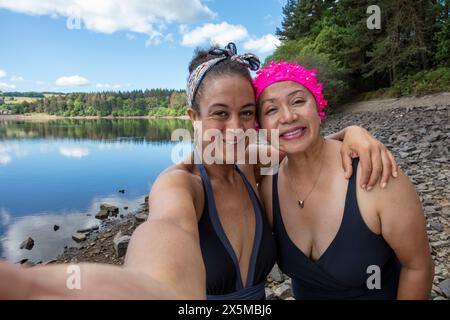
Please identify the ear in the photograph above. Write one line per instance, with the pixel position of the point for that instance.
(192, 115)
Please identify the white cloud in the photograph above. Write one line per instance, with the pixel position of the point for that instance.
(109, 16)
(40, 83)
(5, 158)
(5, 217)
(16, 79)
(265, 44)
(72, 81)
(2, 73)
(7, 86)
(221, 34)
(74, 152)
(108, 86)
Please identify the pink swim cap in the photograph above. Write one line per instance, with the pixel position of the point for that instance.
(284, 71)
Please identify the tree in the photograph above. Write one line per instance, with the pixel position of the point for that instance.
(403, 47)
(301, 17)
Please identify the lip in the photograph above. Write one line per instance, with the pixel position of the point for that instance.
(293, 133)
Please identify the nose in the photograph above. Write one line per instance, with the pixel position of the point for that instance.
(288, 115)
(234, 123)
(233, 126)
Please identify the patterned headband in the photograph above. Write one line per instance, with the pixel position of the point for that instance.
(248, 60)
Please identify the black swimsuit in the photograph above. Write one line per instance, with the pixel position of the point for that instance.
(343, 270)
(223, 276)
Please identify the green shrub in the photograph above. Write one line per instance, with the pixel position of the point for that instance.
(422, 83)
(333, 76)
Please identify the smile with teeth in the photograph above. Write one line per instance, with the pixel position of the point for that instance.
(292, 134)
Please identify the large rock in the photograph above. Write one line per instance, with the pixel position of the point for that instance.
(121, 244)
(27, 244)
(55, 227)
(107, 210)
(445, 287)
(112, 209)
(79, 237)
(270, 295)
(283, 291)
(141, 217)
(87, 230)
(276, 274)
(102, 214)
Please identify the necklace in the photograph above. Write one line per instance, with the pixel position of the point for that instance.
(301, 202)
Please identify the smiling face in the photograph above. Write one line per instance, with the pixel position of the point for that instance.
(227, 104)
(291, 108)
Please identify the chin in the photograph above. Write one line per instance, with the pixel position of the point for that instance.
(295, 146)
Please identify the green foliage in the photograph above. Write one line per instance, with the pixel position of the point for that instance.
(334, 77)
(332, 37)
(442, 39)
(419, 84)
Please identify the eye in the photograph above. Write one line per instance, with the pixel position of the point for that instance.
(248, 113)
(270, 110)
(220, 114)
(298, 101)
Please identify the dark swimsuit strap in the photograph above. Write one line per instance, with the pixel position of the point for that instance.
(217, 225)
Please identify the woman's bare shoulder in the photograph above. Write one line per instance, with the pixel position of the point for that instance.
(179, 175)
(180, 185)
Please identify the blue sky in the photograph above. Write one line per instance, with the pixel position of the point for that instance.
(122, 45)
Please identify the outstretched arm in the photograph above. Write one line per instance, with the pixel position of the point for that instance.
(163, 260)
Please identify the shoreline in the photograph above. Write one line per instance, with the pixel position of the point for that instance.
(430, 100)
(45, 117)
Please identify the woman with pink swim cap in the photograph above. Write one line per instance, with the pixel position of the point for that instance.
(334, 240)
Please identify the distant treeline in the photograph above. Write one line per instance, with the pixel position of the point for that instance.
(25, 94)
(158, 102)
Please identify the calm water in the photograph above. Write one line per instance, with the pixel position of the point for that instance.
(60, 171)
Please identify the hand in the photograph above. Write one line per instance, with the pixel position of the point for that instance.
(376, 160)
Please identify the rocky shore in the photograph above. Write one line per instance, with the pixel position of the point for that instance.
(419, 138)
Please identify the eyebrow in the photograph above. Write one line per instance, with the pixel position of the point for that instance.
(295, 92)
(218, 105)
(267, 100)
(250, 104)
(290, 94)
(221, 105)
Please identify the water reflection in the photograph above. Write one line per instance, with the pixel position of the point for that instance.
(47, 242)
(132, 130)
(58, 171)
(74, 152)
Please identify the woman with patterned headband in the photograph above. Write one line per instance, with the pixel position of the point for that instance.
(207, 235)
(334, 240)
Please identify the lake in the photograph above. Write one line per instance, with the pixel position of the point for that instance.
(58, 172)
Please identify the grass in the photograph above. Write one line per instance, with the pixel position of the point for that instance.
(420, 84)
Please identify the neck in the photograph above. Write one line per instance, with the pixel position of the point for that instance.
(308, 161)
(221, 171)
